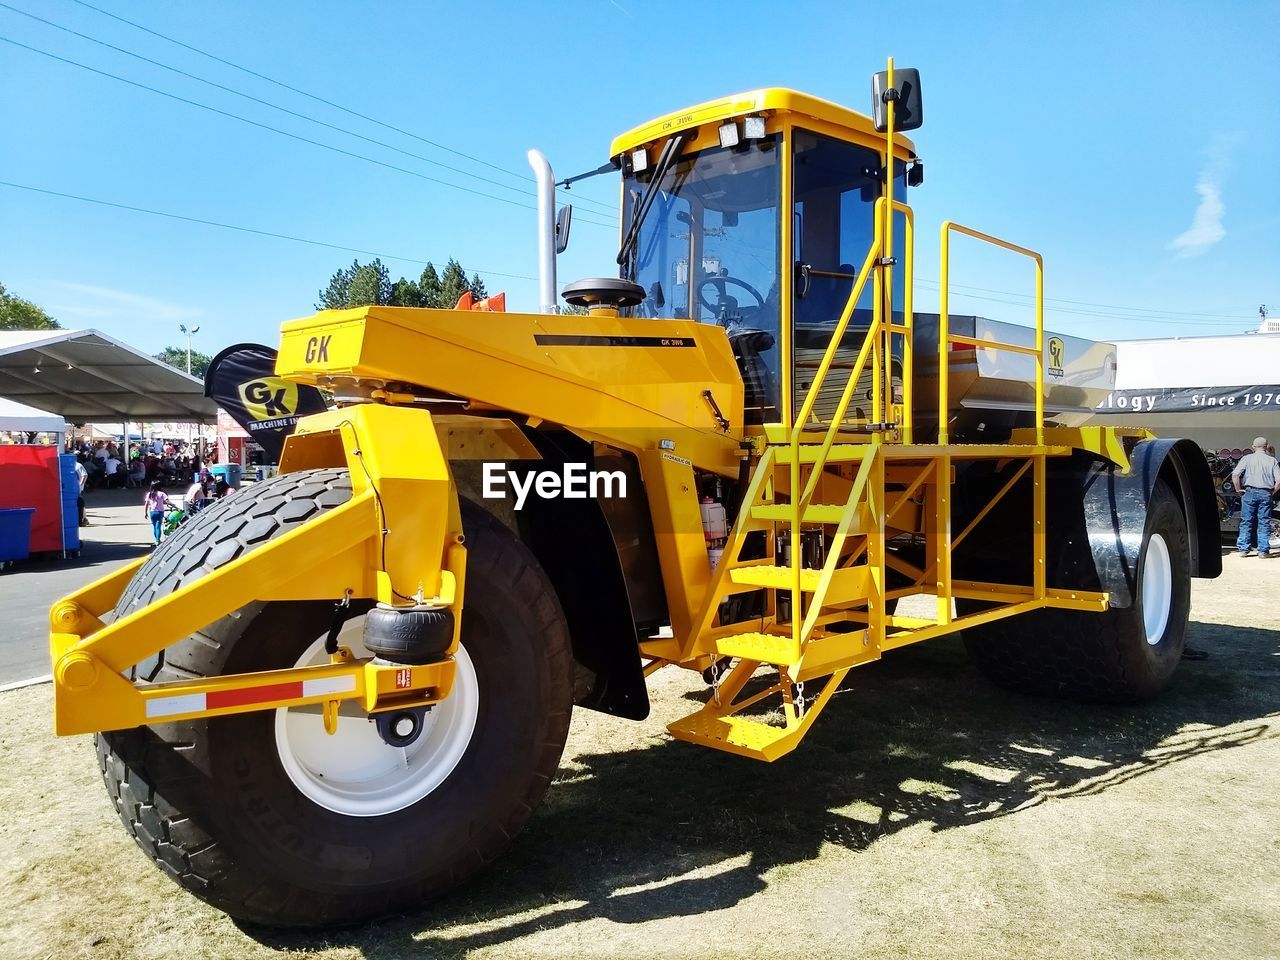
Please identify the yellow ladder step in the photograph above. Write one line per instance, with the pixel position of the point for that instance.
(814, 513)
(763, 647)
(847, 583)
(735, 734)
(779, 578)
(839, 452)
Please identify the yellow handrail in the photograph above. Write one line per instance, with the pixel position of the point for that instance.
(946, 339)
(798, 502)
(876, 345)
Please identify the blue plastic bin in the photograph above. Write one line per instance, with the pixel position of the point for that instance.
(15, 533)
(228, 471)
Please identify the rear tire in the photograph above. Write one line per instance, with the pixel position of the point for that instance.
(243, 816)
(1126, 654)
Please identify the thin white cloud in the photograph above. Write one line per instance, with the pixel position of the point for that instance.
(87, 303)
(1206, 224)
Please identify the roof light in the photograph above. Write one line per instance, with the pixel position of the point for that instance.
(729, 135)
(753, 128)
(639, 161)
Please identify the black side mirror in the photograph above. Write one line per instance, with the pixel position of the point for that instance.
(908, 108)
(564, 220)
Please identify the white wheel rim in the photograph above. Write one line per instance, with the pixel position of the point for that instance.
(1157, 588)
(354, 771)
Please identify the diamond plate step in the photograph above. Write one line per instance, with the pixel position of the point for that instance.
(763, 647)
(734, 734)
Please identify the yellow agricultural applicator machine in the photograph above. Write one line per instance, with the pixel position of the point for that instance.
(342, 690)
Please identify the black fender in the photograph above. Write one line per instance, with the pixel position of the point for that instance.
(1115, 512)
(604, 568)
(1095, 515)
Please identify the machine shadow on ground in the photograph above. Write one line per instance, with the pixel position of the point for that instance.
(920, 739)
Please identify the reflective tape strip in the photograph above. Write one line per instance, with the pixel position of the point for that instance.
(217, 699)
(327, 685)
(263, 694)
(169, 706)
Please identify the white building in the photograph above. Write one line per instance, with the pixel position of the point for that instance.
(1218, 391)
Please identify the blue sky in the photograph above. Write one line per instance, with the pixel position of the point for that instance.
(1135, 144)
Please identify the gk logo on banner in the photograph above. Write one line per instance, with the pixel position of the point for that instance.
(269, 398)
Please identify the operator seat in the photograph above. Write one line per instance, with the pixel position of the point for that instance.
(759, 387)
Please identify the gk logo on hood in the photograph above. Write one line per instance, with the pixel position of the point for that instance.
(268, 398)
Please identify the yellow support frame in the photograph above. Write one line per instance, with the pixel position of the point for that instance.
(384, 544)
(851, 585)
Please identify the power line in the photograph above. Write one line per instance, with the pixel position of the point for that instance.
(241, 229)
(273, 106)
(1087, 303)
(303, 93)
(283, 133)
(418, 260)
(1104, 316)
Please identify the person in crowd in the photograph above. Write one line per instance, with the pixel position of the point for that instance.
(111, 472)
(96, 471)
(194, 499)
(137, 472)
(153, 506)
(82, 477)
(221, 488)
(1257, 480)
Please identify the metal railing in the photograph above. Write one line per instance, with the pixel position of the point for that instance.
(946, 338)
(876, 348)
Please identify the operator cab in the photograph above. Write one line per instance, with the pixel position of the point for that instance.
(754, 213)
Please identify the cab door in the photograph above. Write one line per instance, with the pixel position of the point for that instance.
(835, 185)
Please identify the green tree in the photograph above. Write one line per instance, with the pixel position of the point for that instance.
(405, 293)
(453, 284)
(334, 296)
(19, 314)
(176, 357)
(429, 286)
(370, 284)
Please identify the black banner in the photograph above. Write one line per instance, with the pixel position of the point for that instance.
(1247, 399)
(242, 381)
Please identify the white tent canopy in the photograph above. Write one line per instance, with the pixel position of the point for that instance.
(19, 417)
(86, 376)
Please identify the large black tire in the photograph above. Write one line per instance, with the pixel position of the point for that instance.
(1097, 656)
(210, 801)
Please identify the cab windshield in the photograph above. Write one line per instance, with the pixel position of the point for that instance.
(708, 250)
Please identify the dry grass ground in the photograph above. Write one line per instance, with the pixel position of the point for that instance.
(928, 815)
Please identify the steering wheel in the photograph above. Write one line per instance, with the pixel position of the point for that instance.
(719, 283)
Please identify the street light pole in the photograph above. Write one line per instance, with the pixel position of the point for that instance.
(188, 334)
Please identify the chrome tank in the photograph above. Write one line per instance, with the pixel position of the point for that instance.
(992, 391)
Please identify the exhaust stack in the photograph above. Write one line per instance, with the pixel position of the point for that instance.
(547, 302)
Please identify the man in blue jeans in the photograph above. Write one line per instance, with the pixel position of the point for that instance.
(1257, 479)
